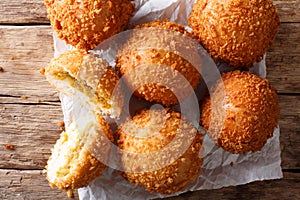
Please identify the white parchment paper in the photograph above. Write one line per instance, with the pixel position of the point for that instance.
(220, 168)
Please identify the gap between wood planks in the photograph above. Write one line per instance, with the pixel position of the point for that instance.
(30, 184)
(24, 170)
(22, 59)
(34, 11)
(34, 136)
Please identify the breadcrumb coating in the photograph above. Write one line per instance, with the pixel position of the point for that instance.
(90, 75)
(165, 24)
(72, 164)
(151, 131)
(153, 64)
(250, 110)
(86, 23)
(237, 32)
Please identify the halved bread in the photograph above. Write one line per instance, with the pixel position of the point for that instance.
(76, 73)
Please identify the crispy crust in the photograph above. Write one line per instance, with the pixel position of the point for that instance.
(142, 140)
(148, 80)
(86, 23)
(72, 164)
(89, 74)
(166, 24)
(251, 112)
(237, 32)
(69, 61)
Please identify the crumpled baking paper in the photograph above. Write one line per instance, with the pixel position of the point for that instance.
(220, 168)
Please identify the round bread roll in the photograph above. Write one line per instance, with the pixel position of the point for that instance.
(245, 117)
(75, 159)
(89, 78)
(237, 32)
(155, 62)
(160, 151)
(86, 23)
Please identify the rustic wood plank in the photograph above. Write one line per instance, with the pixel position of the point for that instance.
(33, 130)
(28, 100)
(22, 57)
(34, 11)
(28, 184)
(283, 59)
(290, 131)
(21, 76)
(24, 50)
(23, 12)
(287, 188)
(288, 10)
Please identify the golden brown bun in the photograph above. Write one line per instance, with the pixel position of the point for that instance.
(250, 110)
(237, 32)
(92, 76)
(72, 164)
(149, 133)
(86, 23)
(142, 70)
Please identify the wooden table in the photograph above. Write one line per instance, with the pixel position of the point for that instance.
(30, 108)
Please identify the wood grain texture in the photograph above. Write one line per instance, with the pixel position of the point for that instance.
(33, 130)
(287, 188)
(24, 50)
(288, 10)
(32, 185)
(283, 59)
(23, 12)
(34, 11)
(28, 184)
(290, 131)
(22, 57)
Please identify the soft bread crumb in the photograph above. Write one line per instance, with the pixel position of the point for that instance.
(91, 77)
(74, 161)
